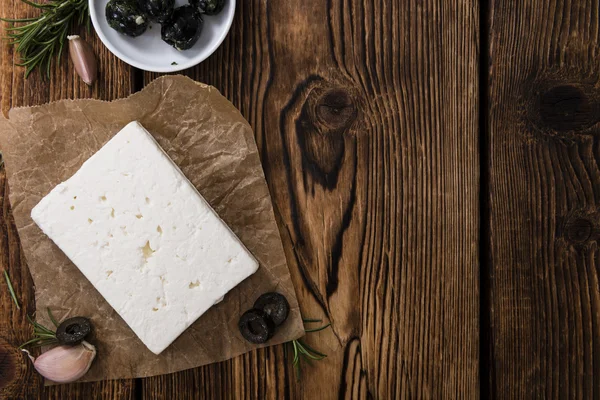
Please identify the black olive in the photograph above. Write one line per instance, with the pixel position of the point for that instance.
(73, 330)
(124, 17)
(256, 327)
(275, 306)
(157, 10)
(183, 29)
(209, 7)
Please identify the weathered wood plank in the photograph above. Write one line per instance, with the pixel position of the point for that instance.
(365, 113)
(544, 195)
(18, 379)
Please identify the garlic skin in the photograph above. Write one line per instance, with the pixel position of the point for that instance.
(64, 364)
(83, 59)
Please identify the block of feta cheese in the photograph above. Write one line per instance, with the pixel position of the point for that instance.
(144, 237)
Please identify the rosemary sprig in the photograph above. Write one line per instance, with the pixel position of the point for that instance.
(54, 321)
(318, 329)
(308, 320)
(302, 351)
(10, 289)
(42, 336)
(39, 39)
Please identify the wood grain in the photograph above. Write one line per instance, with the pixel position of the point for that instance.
(365, 113)
(366, 116)
(544, 125)
(18, 379)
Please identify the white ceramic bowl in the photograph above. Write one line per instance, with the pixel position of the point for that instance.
(150, 53)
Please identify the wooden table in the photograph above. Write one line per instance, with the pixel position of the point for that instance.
(434, 167)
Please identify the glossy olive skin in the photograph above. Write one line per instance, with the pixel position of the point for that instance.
(124, 17)
(73, 330)
(157, 10)
(255, 326)
(275, 305)
(209, 7)
(183, 29)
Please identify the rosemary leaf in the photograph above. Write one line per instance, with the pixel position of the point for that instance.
(318, 329)
(308, 320)
(42, 336)
(11, 290)
(18, 19)
(54, 321)
(310, 353)
(295, 345)
(40, 328)
(43, 331)
(310, 349)
(312, 356)
(46, 335)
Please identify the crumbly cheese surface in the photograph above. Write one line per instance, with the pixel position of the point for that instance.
(144, 237)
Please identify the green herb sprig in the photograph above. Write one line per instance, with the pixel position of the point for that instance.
(39, 39)
(42, 336)
(302, 351)
(10, 288)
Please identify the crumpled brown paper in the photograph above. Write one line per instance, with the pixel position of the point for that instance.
(214, 146)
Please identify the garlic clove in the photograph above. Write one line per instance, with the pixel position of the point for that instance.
(83, 59)
(64, 364)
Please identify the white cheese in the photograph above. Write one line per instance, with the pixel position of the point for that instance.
(144, 237)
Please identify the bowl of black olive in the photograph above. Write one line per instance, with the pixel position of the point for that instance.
(162, 35)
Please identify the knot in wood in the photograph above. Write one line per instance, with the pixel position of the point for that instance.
(323, 129)
(336, 109)
(579, 230)
(566, 108)
(8, 364)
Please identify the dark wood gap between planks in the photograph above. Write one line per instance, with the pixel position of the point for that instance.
(138, 384)
(486, 375)
(137, 79)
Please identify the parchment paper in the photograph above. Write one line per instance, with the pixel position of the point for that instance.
(214, 146)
